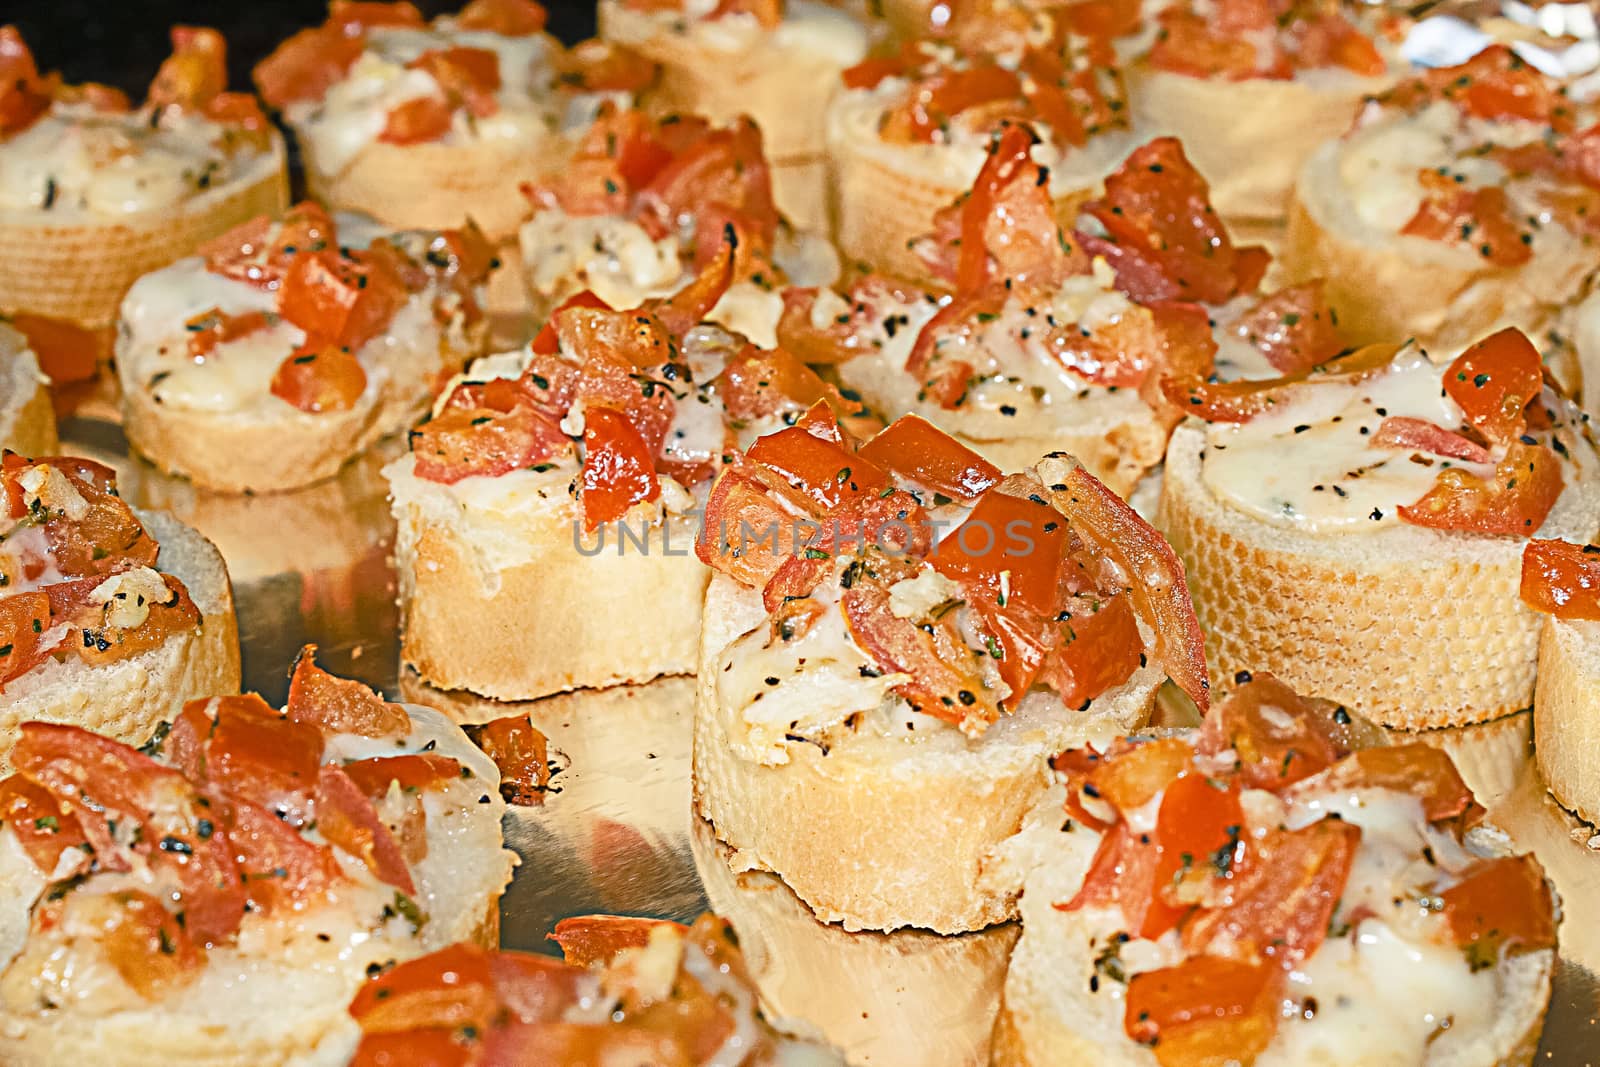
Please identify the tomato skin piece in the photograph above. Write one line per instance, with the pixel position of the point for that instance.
(448, 989)
(23, 618)
(1131, 778)
(45, 828)
(417, 121)
(1277, 736)
(1100, 649)
(1404, 432)
(419, 771)
(916, 450)
(340, 300)
(618, 469)
(1514, 501)
(591, 939)
(1008, 553)
(1420, 770)
(469, 77)
(340, 705)
(1205, 1010)
(463, 443)
(934, 100)
(1494, 381)
(280, 869)
(750, 524)
(758, 383)
(348, 820)
(318, 381)
(254, 753)
(1293, 328)
(521, 753)
(1560, 579)
(1501, 906)
(822, 470)
(1478, 218)
(689, 306)
(1122, 875)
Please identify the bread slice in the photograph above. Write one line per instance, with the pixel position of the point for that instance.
(27, 418)
(1412, 627)
(1566, 714)
(870, 994)
(1050, 1015)
(852, 830)
(1248, 138)
(508, 598)
(126, 699)
(79, 268)
(259, 1007)
(883, 196)
(270, 446)
(782, 78)
(1369, 275)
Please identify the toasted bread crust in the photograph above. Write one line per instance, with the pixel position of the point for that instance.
(80, 271)
(881, 812)
(531, 629)
(1422, 630)
(1373, 280)
(1248, 138)
(126, 699)
(236, 454)
(1566, 715)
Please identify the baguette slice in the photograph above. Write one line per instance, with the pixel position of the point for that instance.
(254, 1006)
(1412, 627)
(1371, 275)
(870, 994)
(511, 601)
(126, 699)
(27, 418)
(883, 805)
(78, 270)
(1566, 714)
(1249, 138)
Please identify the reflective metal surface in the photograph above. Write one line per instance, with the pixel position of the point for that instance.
(616, 832)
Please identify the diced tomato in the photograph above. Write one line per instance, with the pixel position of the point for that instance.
(1198, 834)
(687, 308)
(152, 951)
(1277, 736)
(216, 327)
(621, 153)
(724, 168)
(1405, 432)
(1514, 501)
(241, 110)
(1009, 553)
(1558, 578)
(1160, 592)
(24, 95)
(1500, 85)
(758, 383)
(1100, 648)
(873, 70)
(1285, 887)
(66, 351)
(417, 121)
(1423, 771)
(452, 988)
(768, 13)
(255, 753)
(43, 825)
(590, 939)
(512, 18)
(1293, 328)
(600, 66)
(281, 869)
(750, 524)
(636, 337)
(1131, 778)
(340, 300)
(1187, 45)
(307, 65)
(1500, 906)
(1243, 399)
(824, 471)
(1330, 40)
(196, 71)
(462, 443)
(521, 753)
(935, 100)
(916, 450)
(946, 383)
(547, 342)
(843, 338)
(347, 819)
(340, 705)
(469, 77)
(618, 467)
(102, 98)
(419, 771)
(1163, 238)
(1205, 1010)
(1494, 381)
(820, 421)
(357, 16)
(1122, 875)
(320, 380)
(23, 618)
(1480, 218)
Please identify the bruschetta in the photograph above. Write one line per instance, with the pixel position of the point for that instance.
(1253, 88)
(218, 894)
(289, 345)
(896, 640)
(643, 205)
(775, 61)
(1043, 338)
(908, 133)
(629, 991)
(109, 618)
(1561, 580)
(96, 193)
(1260, 892)
(27, 418)
(432, 124)
(1361, 526)
(1470, 177)
(568, 475)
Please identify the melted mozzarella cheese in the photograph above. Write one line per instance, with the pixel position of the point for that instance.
(1309, 463)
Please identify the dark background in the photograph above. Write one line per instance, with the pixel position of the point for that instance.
(122, 42)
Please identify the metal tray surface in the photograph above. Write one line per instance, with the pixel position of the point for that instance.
(616, 831)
